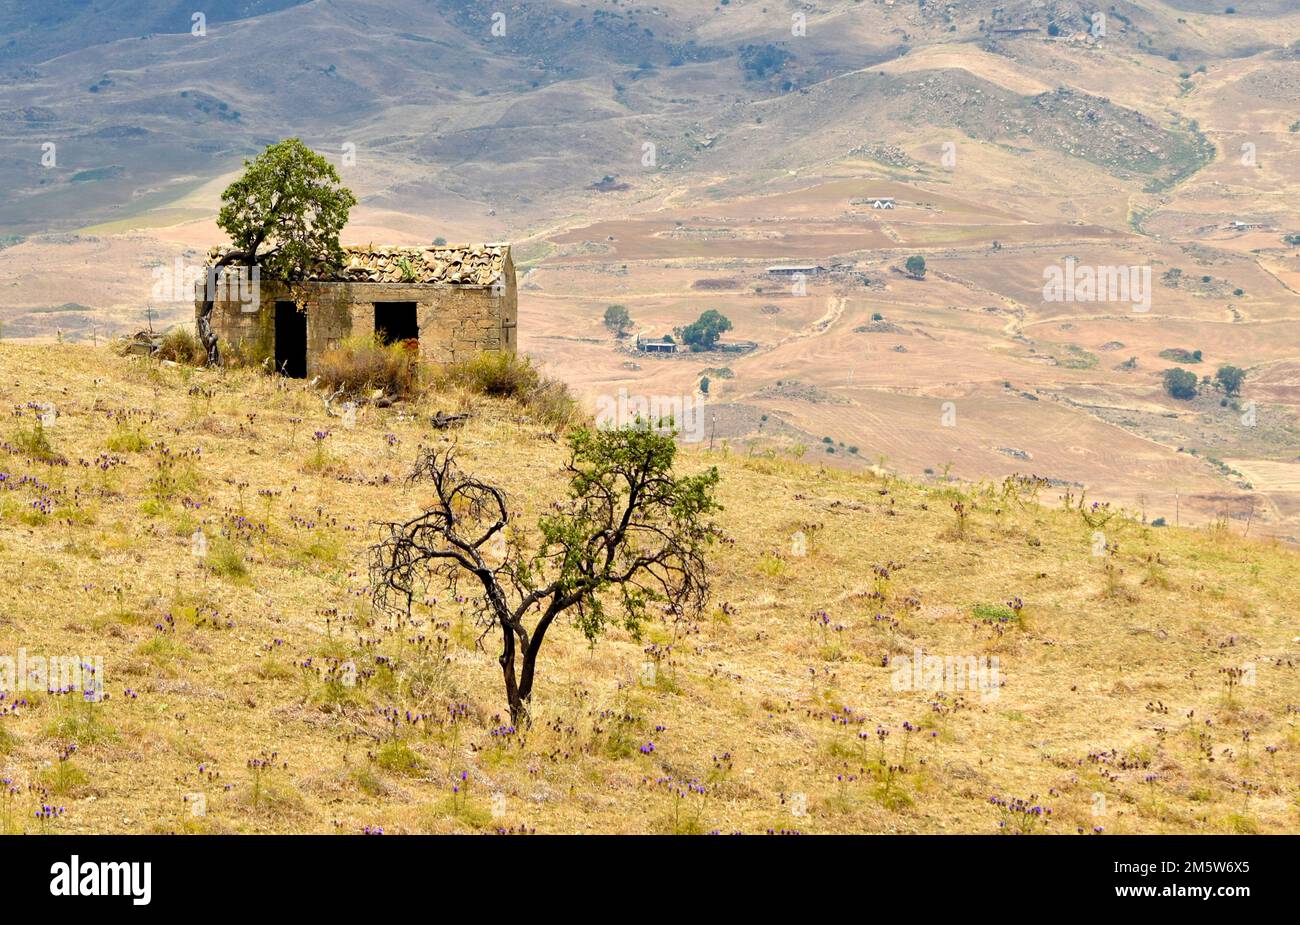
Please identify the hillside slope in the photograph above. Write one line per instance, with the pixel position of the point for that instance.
(1109, 700)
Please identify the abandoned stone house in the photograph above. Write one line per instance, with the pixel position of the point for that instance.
(451, 301)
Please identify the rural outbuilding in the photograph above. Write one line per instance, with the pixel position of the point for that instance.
(451, 301)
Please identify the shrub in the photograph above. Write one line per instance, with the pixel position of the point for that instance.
(227, 560)
(34, 442)
(505, 375)
(1230, 379)
(618, 320)
(501, 375)
(761, 61)
(363, 363)
(181, 345)
(703, 332)
(995, 613)
(127, 439)
(1180, 383)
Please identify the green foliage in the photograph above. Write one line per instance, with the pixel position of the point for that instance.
(227, 559)
(1077, 358)
(627, 470)
(398, 758)
(1180, 383)
(916, 266)
(35, 442)
(127, 438)
(760, 61)
(995, 613)
(1230, 379)
(703, 332)
(286, 210)
(618, 320)
(631, 534)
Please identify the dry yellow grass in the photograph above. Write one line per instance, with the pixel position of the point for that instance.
(203, 661)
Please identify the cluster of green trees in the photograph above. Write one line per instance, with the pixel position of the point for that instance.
(760, 61)
(618, 320)
(704, 331)
(1183, 384)
(701, 334)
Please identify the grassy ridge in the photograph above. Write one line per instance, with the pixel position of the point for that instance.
(258, 678)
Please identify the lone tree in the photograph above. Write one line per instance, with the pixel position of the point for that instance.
(630, 534)
(618, 320)
(1230, 379)
(1180, 383)
(916, 266)
(285, 214)
(704, 331)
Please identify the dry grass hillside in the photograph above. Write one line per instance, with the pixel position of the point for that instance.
(1146, 678)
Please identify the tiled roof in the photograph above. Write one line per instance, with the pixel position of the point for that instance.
(462, 264)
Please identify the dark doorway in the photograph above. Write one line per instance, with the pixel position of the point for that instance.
(290, 340)
(395, 322)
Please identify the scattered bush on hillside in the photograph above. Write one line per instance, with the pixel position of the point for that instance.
(703, 333)
(505, 375)
(1180, 383)
(618, 320)
(35, 442)
(1230, 379)
(760, 61)
(181, 345)
(997, 613)
(916, 266)
(363, 363)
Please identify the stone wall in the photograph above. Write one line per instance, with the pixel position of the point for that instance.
(456, 321)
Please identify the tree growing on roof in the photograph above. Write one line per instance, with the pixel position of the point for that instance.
(284, 214)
